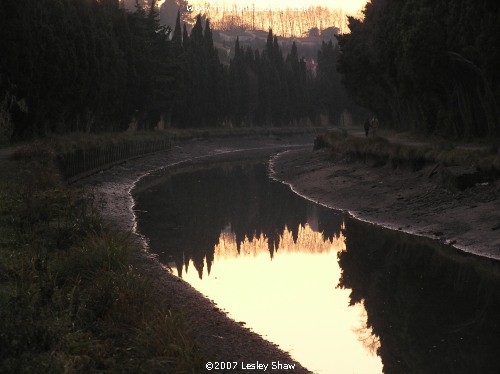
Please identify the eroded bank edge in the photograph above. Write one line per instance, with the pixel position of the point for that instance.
(359, 217)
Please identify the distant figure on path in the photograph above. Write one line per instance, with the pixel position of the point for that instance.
(374, 125)
(367, 127)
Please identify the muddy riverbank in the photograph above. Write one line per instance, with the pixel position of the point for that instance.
(401, 199)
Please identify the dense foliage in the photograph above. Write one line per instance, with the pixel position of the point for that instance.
(431, 66)
(80, 65)
(258, 88)
(88, 65)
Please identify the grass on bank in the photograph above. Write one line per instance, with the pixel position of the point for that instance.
(75, 141)
(485, 159)
(71, 299)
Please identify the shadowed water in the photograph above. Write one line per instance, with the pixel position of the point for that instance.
(340, 295)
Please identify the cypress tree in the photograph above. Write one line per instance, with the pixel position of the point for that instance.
(214, 81)
(177, 34)
(269, 45)
(185, 37)
(196, 37)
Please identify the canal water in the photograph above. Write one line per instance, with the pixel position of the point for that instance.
(340, 295)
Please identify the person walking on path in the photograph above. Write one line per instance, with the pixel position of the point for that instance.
(367, 127)
(374, 125)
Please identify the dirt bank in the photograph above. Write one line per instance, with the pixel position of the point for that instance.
(401, 199)
(219, 337)
(397, 198)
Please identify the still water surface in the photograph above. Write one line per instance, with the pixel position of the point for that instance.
(341, 296)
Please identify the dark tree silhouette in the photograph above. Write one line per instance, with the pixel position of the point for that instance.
(427, 66)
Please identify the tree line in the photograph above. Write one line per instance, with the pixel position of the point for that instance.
(88, 65)
(80, 65)
(256, 88)
(429, 66)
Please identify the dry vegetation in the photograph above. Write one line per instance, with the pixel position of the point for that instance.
(71, 298)
(484, 158)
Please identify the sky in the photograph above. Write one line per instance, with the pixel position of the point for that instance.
(349, 6)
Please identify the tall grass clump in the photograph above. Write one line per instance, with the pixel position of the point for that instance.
(485, 159)
(71, 296)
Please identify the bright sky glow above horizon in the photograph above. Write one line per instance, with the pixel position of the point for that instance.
(349, 6)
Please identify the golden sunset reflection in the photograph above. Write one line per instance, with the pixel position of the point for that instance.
(308, 241)
(291, 298)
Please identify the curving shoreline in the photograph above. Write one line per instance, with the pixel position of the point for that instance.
(311, 175)
(397, 199)
(218, 337)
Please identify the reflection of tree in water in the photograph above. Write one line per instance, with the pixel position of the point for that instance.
(188, 211)
(434, 310)
(307, 241)
(366, 336)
